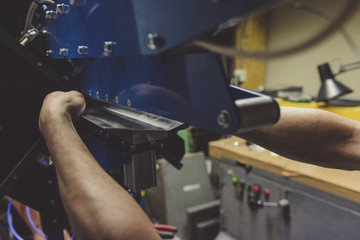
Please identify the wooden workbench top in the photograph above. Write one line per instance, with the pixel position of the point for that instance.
(338, 182)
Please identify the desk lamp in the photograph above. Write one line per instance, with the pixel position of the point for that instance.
(331, 88)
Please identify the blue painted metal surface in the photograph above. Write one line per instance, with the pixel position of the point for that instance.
(128, 23)
(191, 88)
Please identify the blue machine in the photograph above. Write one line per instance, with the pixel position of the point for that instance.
(143, 81)
(132, 53)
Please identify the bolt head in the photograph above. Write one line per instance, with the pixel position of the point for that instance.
(64, 52)
(74, 3)
(50, 15)
(224, 119)
(62, 9)
(82, 50)
(154, 41)
(109, 46)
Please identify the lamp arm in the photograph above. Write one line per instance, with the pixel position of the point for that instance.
(348, 67)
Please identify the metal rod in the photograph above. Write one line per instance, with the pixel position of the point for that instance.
(348, 67)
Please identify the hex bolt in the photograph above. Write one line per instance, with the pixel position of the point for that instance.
(109, 46)
(82, 50)
(50, 15)
(154, 41)
(63, 52)
(62, 8)
(224, 119)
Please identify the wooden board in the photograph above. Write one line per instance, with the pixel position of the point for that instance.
(338, 182)
(251, 35)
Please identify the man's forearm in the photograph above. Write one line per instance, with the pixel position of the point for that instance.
(313, 136)
(93, 200)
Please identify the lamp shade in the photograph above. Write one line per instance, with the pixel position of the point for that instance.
(330, 88)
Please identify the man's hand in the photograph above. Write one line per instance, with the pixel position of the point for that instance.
(59, 109)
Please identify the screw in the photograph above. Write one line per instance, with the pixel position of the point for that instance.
(97, 94)
(62, 8)
(39, 64)
(109, 46)
(49, 53)
(154, 41)
(128, 102)
(224, 119)
(89, 92)
(117, 99)
(63, 52)
(82, 50)
(50, 15)
(106, 97)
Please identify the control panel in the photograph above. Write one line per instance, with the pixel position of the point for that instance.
(257, 204)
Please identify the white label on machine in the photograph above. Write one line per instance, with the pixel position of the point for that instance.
(191, 187)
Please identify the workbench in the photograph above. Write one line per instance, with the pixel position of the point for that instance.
(342, 183)
(323, 203)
